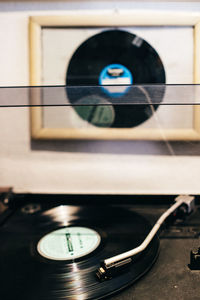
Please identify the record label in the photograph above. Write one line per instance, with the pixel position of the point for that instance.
(68, 243)
(115, 74)
(97, 115)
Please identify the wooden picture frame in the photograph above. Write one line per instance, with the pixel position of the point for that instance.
(100, 19)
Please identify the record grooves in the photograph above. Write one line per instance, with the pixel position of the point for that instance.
(101, 233)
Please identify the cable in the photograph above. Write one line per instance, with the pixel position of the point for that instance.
(155, 116)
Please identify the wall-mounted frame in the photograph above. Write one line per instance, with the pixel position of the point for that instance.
(109, 19)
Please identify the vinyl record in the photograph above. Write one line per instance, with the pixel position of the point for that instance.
(115, 57)
(54, 254)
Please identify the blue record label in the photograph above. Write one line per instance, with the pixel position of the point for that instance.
(115, 74)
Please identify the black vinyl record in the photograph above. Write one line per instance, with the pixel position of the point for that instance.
(96, 62)
(28, 273)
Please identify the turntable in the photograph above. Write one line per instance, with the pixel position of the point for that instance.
(125, 231)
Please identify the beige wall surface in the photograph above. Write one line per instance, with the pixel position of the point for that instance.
(77, 166)
(32, 5)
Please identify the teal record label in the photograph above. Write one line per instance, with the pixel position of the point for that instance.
(68, 243)
(100, 114)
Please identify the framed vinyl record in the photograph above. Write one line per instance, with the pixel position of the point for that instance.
(122, 50)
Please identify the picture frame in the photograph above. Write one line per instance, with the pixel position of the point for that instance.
(106, 19)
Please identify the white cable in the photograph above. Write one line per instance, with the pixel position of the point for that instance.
(145, 243)
(155, 116)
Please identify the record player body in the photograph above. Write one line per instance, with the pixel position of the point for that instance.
(29, 219)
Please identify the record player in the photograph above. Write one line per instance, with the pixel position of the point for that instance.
(60, 243)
